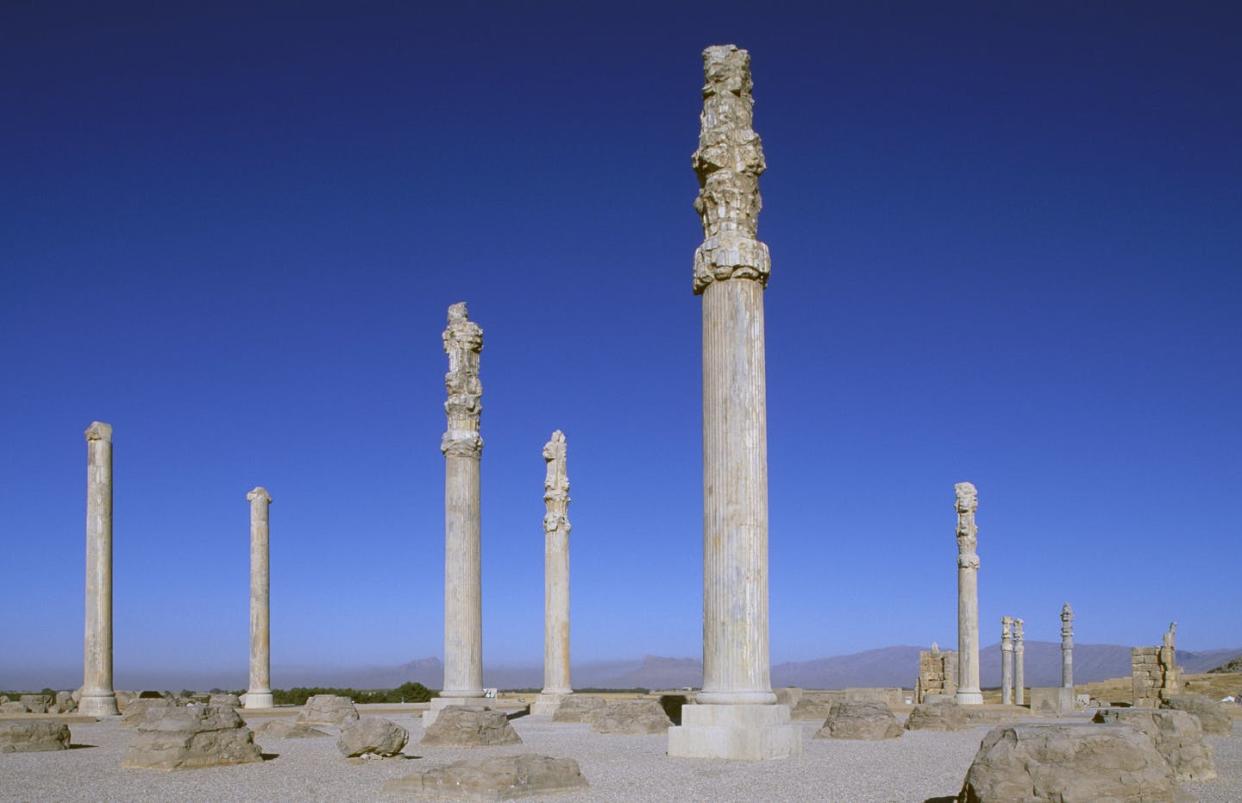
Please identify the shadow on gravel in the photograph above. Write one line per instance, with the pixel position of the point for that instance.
(518, 714)
(270, 756)
(945, 799)
(82, 746)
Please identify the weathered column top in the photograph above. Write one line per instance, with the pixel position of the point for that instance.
(99, 431)
(259, 492)
(728, 162)
(1006, 628)
(463, 342)
(1017, 631)
(556, 483)
(1067, 618)
(967, 533)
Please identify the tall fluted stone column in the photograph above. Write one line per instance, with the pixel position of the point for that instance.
(1019, 661)
(968, 692)
(462, 448)
(1007, 660)
(1067, 647)
(556, 529)
(736, 716)
(98, 696)
(259, 695)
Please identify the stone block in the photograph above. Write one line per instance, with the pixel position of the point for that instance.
(461, 726)
(35, 736)
(1176, 734)
(372, 736)
(1056, 700)
(494, 778)
(745, 732)
(869, 721)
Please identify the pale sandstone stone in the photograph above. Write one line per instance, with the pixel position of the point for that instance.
(968, 692)
(556, 528)
(33, 736)
(328, 709)
(1067, 762)
(937, 674)
(372, 736)
(190, 737)
(230, 700)
(1067, 646)
(578, 708)
(35, 703)
(816, 705)
(731, 268)
(65, 702)
(259, 693)
(938, 716)
(869, 721)
(1006, 660)
(631, 717)
(13, 707)
(459, 726)
(287, 729)
(1019, 659)
(463, 448)
(1212, 715)
(494, 778)
(1055, 700)
(98, 698)
(136, 709)
(1176, 734)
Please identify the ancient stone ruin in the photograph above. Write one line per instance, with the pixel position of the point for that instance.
(1154, 675)
(968, 692)
(937, 674)
(556, 528)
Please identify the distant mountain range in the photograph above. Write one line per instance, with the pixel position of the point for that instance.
(887, 666)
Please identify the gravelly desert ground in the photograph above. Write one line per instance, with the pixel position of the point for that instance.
(918, 766)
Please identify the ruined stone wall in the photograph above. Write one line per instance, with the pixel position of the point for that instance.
(1154, 675)
(937, 673)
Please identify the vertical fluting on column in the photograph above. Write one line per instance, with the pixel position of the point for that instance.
(98, 696)
(259, 694)
(1019, 661)
(556, 529)
(1067, 646)
(967, 596)
(462, 448)
(730, 271)
(1007, 660)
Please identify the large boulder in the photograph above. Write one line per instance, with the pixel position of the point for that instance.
(816, 705)
(630, 716)
(137, 708)
(13, 707)
(372, 736)
(870, 721)
(937, 717)
(494, 778)
(1212, 715)
(33, 736)
(287, 729)
(328, 709)
(578, 708)
(35, 703)
(788, 695)
(225, 699)
(65, 702)
(192, 736)
(123, 699)
(1065, 762)
(1176, 734)
(459, 726)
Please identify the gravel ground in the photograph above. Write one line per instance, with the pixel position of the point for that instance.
(918, 766)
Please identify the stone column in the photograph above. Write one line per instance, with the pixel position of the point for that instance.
(736, 716)
(462, 448)
(259, 695)
(968, 692)
(1007, 660)
(1019, 660)
(1067, 647)
(98, 696)
(556, 529)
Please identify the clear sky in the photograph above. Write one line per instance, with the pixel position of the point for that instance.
(1005, 242)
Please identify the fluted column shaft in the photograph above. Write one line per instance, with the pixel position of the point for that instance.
(968, 691)
(735, 496)
(463, 598)
(1067, 647)
(98, 696)
(1019, 659)
(556, 613)
(259, 694)
(1006, 661)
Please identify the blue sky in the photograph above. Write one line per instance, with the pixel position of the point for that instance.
(1005, 244)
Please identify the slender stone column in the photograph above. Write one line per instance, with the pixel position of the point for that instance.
(1067, 647)
(259, 695)
(735, 717)
(462, 447)
(1019, 659)
(556, 529)
(968, 692)
(98, 696)
(1007, 660)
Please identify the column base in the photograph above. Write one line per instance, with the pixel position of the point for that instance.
(98, 704)
(259, 699)
(968, 697)
(738, 732)
(438, 704)
(546, 703)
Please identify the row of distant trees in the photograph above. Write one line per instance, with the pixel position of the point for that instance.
(405, 693)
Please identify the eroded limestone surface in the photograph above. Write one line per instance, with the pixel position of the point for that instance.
(494, 778)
